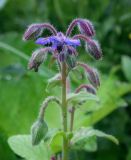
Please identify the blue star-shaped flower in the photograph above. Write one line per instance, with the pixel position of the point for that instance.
(58, 42)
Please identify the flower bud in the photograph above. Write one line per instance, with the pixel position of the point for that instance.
(70, 61)
(86, 27)
(38, 131)
(32, 32)
(35, 30)
(93, 47)
(93, 77)
(37, 58)
(92, 74)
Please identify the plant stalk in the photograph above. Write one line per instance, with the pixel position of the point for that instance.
(72, 118)
(64, 112)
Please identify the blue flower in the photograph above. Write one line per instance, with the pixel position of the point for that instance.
(58, 42)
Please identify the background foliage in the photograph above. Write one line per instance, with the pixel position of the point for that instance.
(21, 91)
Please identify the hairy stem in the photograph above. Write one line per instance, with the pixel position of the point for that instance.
(72, 118)
(45, 105)
(64, 112)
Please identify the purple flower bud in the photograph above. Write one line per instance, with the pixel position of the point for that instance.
(35, 30)
(86, 27)
(93, 47)
(89, 88)
(32, 33)
(92, 74)
(37, 58)
(93, 77)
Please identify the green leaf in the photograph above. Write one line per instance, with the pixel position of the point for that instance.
(85, 139)
(21, 145)
(53, 82)
(107, 136)
(56, 141)
(76, 98)
(82, 141)
(126, 66)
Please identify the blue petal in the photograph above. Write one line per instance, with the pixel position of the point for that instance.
(72, 42)
(43, 41)
(55, 40)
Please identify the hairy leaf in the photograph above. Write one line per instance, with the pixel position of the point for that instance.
(76, 98)
(85, 139)
(56, 141)
(22, 146)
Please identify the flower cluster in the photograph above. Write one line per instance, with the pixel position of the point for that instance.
(63, 47)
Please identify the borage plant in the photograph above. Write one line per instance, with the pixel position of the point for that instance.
(63, 48)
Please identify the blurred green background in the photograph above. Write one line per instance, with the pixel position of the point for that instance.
(22, 91)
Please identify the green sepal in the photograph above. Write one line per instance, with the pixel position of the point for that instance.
(71, 61)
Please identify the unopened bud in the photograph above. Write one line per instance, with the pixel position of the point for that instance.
(92, 74)
(35, 30)
(38, 131)
(86, 27)
(93, 77)
(37, 58)
(32, 32)
(71, 61)
(93, 47)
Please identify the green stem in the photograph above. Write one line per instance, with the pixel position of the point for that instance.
(72, 118)
(64, 112)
